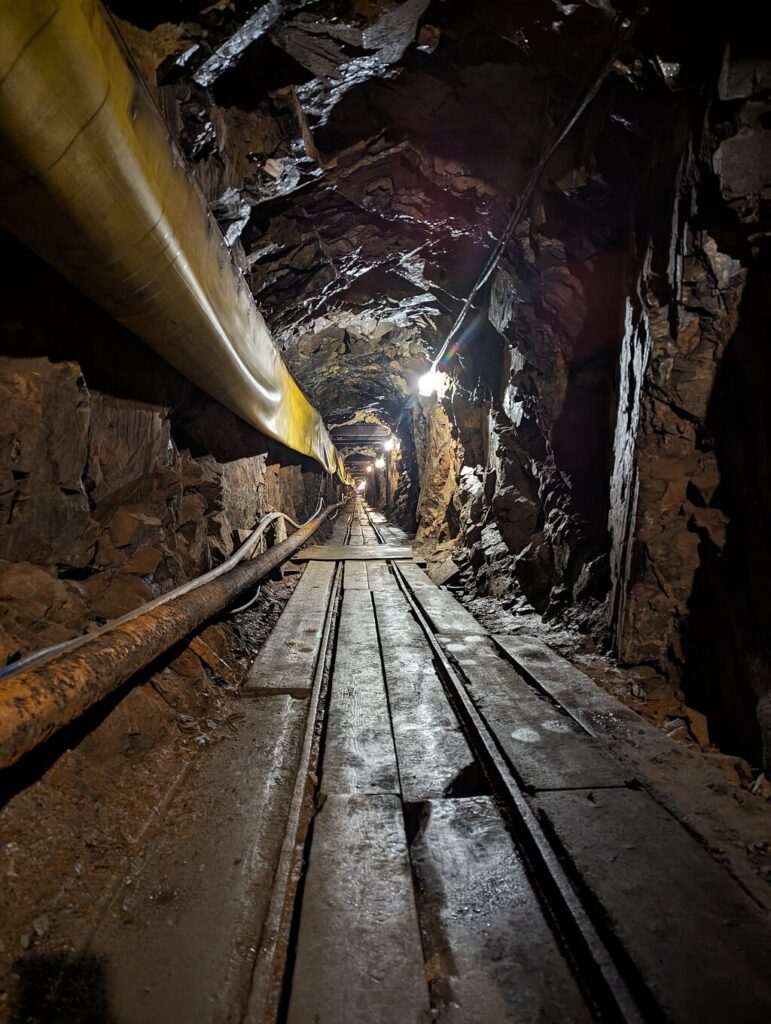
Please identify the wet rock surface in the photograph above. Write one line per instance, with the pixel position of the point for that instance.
(111, 493)
(361, 160)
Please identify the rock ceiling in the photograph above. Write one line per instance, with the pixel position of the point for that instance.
(361, 158)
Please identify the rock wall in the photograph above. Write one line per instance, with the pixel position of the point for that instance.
(602, 458)
(614, 471)
(118, 480)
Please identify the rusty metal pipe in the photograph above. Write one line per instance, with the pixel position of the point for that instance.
(35, 703)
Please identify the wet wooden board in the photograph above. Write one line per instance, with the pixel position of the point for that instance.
(446, 615)
(354, 576)
(287, 660)
(432, 751)
(491, 954)
(393, 535)
(359, 956)
(359, 755)
(339, 553)
(595, 710)
(700, 943)
(380, 577)
(416, 577)
(196, 892)
(546, 748)
(316, 574)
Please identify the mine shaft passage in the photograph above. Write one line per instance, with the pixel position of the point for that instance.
(384, 503)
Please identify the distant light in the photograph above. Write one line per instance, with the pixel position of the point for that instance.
(361, 486)
(369, 468)
(433, 383)
(389, 445)
(380, 462)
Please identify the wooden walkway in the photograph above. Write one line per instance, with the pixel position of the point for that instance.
(418, 821)
(417, 903)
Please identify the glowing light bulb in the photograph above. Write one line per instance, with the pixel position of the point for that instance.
(380, 462)
(389, 445)
(369, 468)
(433, 383)
(360, 487)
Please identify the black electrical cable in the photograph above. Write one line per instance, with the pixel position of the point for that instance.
(623, 30)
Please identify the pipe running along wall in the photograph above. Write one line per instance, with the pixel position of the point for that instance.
(42, 698)
(90, 180)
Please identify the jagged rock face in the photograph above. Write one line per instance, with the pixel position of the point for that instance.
(363, 157)
(118, 479)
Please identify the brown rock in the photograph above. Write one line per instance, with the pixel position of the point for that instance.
(444, 572)
(44, 420)
(697, 723)
(192, 508)
(143, 562)
(132, 524)
(114, 595)
(29, 590)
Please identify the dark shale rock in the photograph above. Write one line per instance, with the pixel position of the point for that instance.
(44, 423)
(603, 457)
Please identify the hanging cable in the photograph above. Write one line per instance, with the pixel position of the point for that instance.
(622, 32)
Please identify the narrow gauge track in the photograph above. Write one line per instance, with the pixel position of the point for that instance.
(413, 820)
(496, 824)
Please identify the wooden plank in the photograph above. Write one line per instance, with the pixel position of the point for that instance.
(490, 954)
(546, 748)
(699, 942)
(445, 614)
(690, 785)
(210, 857)
(287, 661)
(359, 956)
(317, 574)
(432, 751)
(380, 577)
(416, 577)
(355, 576)
(595, 710)
(330, 552)
(359, 755)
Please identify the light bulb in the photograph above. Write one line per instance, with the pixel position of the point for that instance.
(369, 468)
(380, 462)
(433, 383)
(389, 445)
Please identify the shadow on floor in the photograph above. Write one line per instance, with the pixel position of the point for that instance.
(53, 988)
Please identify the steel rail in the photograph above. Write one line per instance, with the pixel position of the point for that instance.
(37, 702)
(270, 965)
(594, 966)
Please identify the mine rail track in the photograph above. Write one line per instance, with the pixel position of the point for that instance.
(412, 798)
(594, 957)
(613, 986)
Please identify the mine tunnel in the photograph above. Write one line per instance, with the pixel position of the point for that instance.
(385, 476)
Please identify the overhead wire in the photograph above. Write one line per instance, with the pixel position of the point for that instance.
(623, 29)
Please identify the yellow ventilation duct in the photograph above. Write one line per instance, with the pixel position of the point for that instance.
(90, 180)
